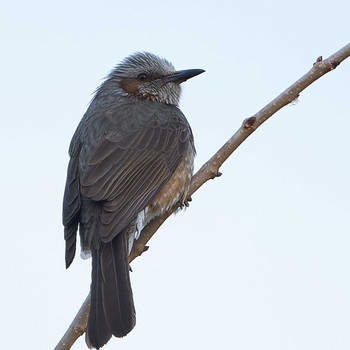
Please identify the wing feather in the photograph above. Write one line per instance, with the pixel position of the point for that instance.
(128, 167)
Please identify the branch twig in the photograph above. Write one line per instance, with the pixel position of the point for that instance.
(210, 170)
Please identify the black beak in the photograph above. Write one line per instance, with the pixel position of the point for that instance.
(182, 75)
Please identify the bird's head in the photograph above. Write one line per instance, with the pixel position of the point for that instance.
(148, 77)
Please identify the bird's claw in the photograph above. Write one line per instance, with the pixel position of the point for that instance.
(185, 203)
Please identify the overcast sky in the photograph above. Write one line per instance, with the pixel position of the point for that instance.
(261, 258)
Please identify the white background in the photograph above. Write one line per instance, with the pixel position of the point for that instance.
(261, 259)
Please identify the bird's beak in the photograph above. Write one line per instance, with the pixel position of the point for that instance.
(182, 75)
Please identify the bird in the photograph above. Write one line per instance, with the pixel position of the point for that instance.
(131, 159)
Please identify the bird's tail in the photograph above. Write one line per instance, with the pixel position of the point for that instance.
(112, 308)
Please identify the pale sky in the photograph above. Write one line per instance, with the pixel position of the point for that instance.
(261, 258)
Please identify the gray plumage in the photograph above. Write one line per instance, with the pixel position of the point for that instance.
(131, 158)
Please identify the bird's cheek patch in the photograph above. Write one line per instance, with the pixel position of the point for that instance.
(130, 86)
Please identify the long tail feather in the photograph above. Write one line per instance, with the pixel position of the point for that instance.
(98, 332)
(112, 308)
(118, 299)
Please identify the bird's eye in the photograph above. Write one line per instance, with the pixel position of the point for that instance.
(142, 76)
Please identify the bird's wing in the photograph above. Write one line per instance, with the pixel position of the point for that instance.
(127, 170)
(71, 208)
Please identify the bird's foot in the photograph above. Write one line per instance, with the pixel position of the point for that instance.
(185, 203)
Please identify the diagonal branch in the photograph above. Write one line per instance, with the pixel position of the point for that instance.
(210, 170)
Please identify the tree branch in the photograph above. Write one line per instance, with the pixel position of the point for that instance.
(210, 170)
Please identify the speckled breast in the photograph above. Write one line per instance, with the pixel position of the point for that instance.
(175, 189)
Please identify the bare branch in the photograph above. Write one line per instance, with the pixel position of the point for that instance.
(77, 327)
(210, 170)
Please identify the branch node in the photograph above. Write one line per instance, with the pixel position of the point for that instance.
(79, 330)
(248, 123)
(295, 101)
(334, 64)
(139, 250)
(214, 174)
(318, 59)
